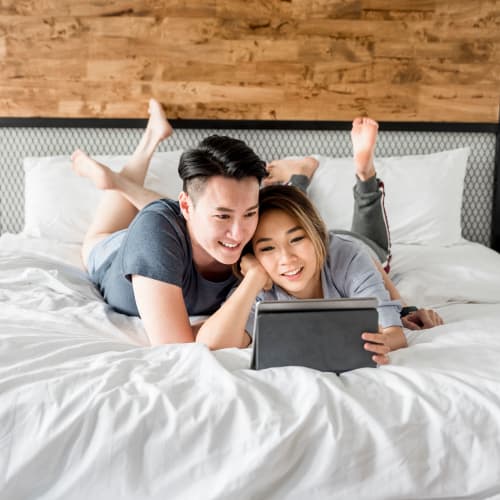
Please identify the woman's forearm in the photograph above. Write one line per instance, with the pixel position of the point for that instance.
(389, 285)
(395, 337)
(226, 327)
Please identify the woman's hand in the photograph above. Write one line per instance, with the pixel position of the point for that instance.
(387, 340)
(226, 327)
(249, 264)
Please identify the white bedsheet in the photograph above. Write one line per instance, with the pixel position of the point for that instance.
(89, 410)
(435, 276)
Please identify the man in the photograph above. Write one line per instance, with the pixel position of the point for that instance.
(172, 259)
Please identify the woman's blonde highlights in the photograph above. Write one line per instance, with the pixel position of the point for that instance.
(293, 202)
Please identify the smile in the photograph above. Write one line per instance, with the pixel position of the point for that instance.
(293, 272)
(229, 245)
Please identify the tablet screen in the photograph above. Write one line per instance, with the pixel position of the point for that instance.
(322, 334)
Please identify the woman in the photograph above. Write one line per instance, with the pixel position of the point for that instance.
(114, 249)
(293, 256)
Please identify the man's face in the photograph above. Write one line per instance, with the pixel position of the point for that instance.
(222, 218)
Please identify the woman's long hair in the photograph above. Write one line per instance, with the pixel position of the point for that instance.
(297, 205)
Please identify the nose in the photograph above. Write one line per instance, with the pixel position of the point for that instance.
(286, 255)
(236, 231)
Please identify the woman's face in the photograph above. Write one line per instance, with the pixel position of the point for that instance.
(287, 254)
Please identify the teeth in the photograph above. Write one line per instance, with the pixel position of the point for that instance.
(229, 245)
(293, 273)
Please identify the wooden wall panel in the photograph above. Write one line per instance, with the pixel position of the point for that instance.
(425, 60)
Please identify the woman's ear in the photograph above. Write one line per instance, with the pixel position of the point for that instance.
(185, 204)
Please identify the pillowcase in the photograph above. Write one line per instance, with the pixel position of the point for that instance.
(423, 195)
(60, 205)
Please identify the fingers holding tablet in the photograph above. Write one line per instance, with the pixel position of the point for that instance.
(376, 343)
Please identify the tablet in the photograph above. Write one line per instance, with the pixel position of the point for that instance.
(324, 334)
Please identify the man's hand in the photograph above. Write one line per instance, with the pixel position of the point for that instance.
(422, 319)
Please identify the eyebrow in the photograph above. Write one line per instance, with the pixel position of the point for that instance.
(291, 230)
(231, 210)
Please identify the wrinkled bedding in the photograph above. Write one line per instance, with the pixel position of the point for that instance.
(89, 410)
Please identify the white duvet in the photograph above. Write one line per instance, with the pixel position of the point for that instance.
(89, 410)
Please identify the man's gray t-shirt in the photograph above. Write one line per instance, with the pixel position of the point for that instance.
(157, 245)
(348, 272)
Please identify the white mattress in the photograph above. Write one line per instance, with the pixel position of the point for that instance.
(89, 410)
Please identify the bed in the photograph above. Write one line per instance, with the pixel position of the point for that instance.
(89, 410)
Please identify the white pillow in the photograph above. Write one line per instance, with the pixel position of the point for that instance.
(60, 205)
(423, 195)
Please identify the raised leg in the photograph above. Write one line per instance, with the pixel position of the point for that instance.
(124, 194)
(364, 139)
(106, 179)
(369, 217)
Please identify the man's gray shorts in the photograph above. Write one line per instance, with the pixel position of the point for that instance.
(102, 251)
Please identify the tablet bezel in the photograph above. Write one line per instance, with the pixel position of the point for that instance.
(316, 304)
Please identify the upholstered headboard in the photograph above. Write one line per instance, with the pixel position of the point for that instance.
(20, 138)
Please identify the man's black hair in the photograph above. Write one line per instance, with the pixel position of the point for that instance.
(219, 155)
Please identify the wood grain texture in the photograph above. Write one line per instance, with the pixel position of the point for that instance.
(403, 60)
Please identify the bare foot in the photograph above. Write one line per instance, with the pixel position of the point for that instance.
(101, 176)
(280, 171)
(364, 137)
(158, 124)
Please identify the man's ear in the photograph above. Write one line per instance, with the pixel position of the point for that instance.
(185, 204)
